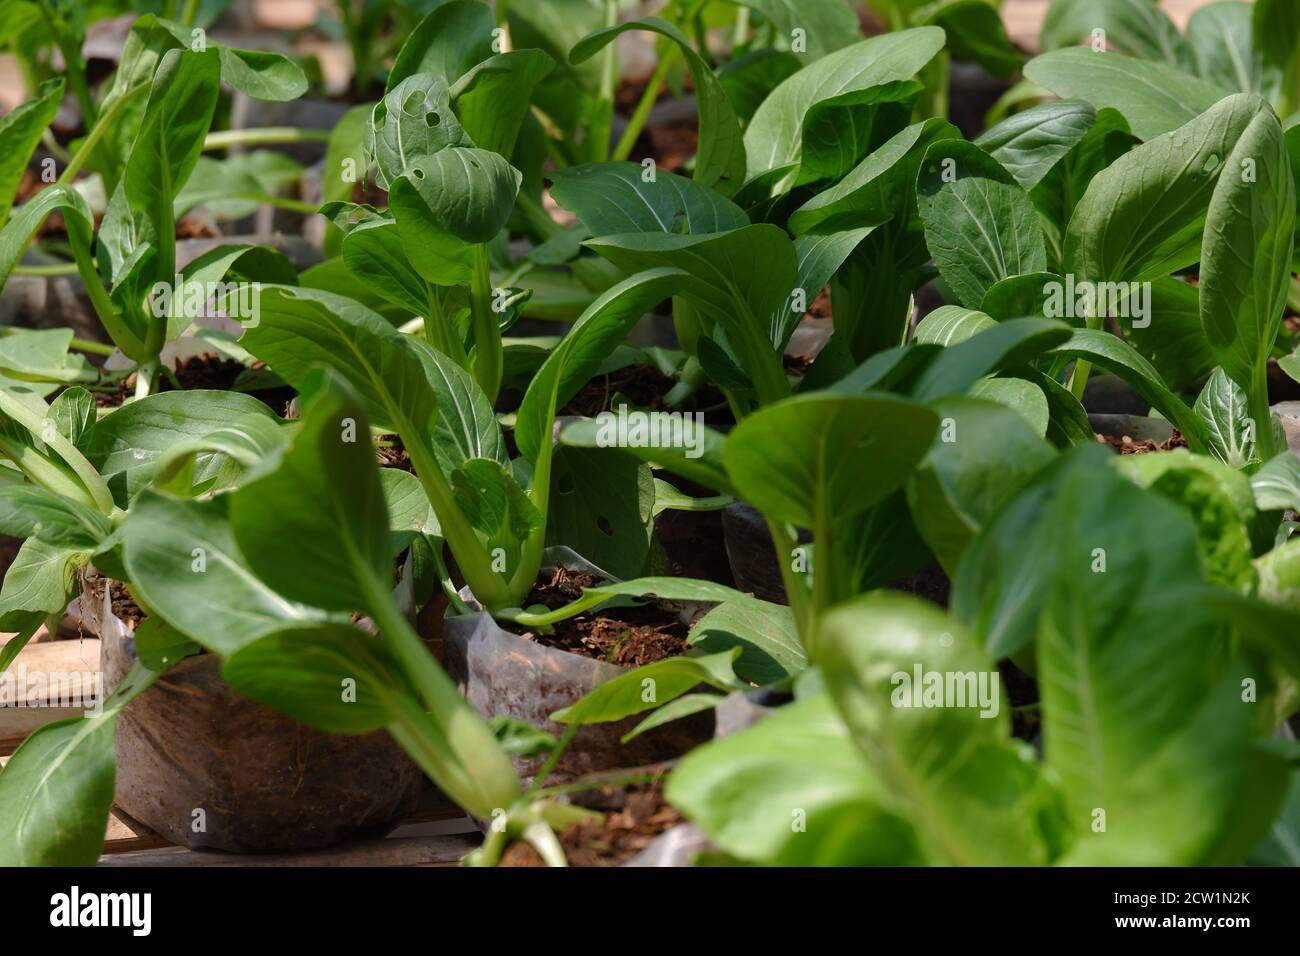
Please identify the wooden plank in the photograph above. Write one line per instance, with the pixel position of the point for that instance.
(61, 666)
(442, 850)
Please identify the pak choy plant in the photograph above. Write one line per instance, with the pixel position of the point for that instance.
(439, 142)
(1116, 779)
(495, 514)
(71, 477)
(1226, 48)
(750, 282)
(224, 573)
(860, 485)
(1058, 199)
(133, 251)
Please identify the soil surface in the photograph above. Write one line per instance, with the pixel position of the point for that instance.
(124, 605)
(214, 372)
(187, 227)
(1127, 446)
(670, 145)
(643, 385)
(629, 636)
(634, 816)
(394, 454)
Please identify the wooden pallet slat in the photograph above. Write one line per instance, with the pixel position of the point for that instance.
(57, 661)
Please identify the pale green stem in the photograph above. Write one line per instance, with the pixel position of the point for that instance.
(263, 136)
(638, 119)
(98, 130)
(488, 353)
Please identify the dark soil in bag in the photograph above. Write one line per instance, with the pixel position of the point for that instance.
(206, 768)
(634, 816)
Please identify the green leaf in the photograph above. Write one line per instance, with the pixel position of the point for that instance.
(979, 223)
(765, 633)
(1118, 357)
(262, 75)
(750, 77)
(951, 325)
(743, 790)
(1217, 499)
(1277, 484)
(465, 193)
(131, 441)
(774, 137)
(1275, 28)
(301, 329)
(702, 464)
(998, 591)
(43, 356)
(1282, 845)
(467, 427)
(1139, 27)
(20, 130)
(1279, 576)
(376, 253)
(720, 161)
(1174, 341)
(73, 412)
(984, 454)
(1224, 410)
(27, 219)
(519, 738)
(28, 511)
(1222, 49)
(626, 694)
(675, 709)
(446, 43)
(42, 579)
(1160, 192)
(1154, 97)
(613, 198)
(322, 498)
(820, 458)
(493, 502)
(412, 122)
(599, 330)
(331, 676)
(880, 187)
(1006, 345)
(216, 185)
(603, 508)
(1022, 396)
(140, 213)
(741, 279)
(1029, 144)
(158, 645)
(827, 25)
(493, 99)
(185, 563)
(979, 799)
(1114, 750)
(975, 32)
(57, 788)
(1246, 253)
(245, 441)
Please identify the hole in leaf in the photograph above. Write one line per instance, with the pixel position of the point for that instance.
(380, 115)
(432, 119)
(413, 103)
(1211, 164)
(417, 172)
(603, 524)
